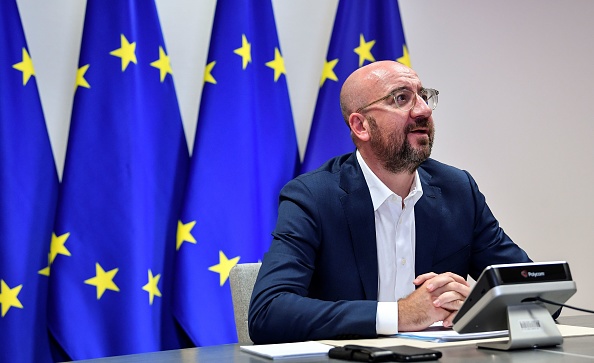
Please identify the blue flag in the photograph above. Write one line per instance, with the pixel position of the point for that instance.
(124, 176)
(28, 194)
(245, 151)
(364, 32)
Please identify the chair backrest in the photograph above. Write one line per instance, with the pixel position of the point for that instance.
(242, 279)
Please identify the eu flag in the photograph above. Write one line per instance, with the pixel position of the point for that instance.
(363, 32)
(245, 150)
(28, 194)
(124, 175)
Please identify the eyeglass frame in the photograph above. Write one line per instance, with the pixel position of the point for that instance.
(392, 94)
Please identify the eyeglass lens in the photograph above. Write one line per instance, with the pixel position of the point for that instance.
(405, 99)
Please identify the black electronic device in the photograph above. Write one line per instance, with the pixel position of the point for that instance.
(506, 297)
(397, 353)
(407, 353)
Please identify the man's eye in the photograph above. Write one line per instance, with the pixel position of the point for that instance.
(402, 98)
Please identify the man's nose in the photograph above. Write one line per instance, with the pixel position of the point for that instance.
(421, 109)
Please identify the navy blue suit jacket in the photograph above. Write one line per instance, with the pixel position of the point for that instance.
(319, 279)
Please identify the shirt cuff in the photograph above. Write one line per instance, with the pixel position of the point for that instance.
(386, 319)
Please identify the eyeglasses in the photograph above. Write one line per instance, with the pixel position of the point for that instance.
(406, 99)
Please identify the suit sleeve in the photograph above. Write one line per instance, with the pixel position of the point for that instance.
(282, 308)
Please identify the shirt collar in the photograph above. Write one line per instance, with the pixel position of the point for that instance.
(380, 192)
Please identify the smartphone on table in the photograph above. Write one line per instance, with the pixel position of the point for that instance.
(407, 353)
(397, 353)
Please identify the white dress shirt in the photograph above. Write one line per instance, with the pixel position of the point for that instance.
(395, 235)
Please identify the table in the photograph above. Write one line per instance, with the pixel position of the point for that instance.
(574, 349)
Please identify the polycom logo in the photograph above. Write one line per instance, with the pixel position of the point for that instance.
(526, 274)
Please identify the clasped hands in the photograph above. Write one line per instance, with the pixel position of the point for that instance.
(437, 298)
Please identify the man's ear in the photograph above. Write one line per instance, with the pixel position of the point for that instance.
(359, 126)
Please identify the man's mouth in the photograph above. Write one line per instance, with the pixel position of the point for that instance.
(419, 131)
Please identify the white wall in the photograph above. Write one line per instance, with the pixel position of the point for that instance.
(516, 88)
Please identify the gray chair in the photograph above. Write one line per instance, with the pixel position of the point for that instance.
(242, 279)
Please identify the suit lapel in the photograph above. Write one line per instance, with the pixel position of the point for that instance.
(358, 209)
(427, 223)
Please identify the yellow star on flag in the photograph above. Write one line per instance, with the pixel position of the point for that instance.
(364, 50)
(9, 297)
(163, 64)
(57, 246)
(25, 66)
(103, 280)
(405, 59)
(245, 51)
(46, 270)
(208, 73)
(184, 233)
(127, 52)
(328, 72)
(224, 267)
(80, 77)
(151, 286)
(278, 64)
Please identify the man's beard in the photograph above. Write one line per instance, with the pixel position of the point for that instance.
(395, 151)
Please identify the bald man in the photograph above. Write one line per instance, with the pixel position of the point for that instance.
(380, 240)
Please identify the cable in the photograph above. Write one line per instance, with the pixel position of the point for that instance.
(563, 305)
